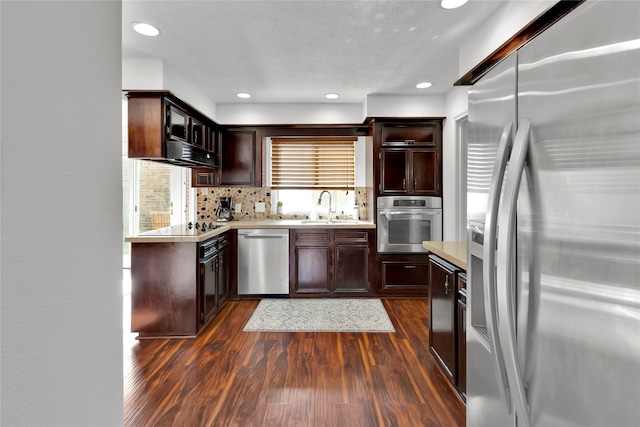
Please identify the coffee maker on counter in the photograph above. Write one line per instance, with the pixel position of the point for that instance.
(224, 212)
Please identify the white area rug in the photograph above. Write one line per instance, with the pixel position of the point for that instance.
(320, 315)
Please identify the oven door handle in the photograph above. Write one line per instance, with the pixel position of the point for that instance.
(421, 212)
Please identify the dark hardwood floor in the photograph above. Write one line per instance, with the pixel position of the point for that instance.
(227, 377)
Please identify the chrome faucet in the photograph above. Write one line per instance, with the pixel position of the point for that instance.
(320, 202)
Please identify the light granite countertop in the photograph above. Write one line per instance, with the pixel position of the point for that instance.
(181, 233)
(453, 252)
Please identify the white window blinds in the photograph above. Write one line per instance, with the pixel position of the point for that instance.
(327, 162)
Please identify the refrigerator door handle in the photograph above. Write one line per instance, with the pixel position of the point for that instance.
(506, 272)
(489, 262)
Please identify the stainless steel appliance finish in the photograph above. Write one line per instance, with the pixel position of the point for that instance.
(263, 262)
(553, 333)
(404, 222)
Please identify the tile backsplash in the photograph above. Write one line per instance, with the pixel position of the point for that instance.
(207, 202)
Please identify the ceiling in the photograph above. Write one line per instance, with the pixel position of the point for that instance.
(297, 51)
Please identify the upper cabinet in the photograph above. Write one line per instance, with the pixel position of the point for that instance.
(410, 134)
(240, 158)
(163, 128)
(409, 154)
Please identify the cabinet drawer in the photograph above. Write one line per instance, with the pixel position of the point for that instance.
(405, 275)
(312, 238)
(351, 236)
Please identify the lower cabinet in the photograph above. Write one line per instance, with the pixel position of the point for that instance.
(329, 262)
(176, 287)
(461, 331)
(225, 265)
(447, 320)
(404, 275)
(214, 275)
(442, 321)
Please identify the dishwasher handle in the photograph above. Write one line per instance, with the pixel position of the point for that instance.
(263, 236)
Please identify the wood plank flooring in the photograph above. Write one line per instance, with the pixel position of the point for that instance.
(227, 377)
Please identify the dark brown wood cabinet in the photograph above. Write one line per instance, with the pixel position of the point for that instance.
(409, 171)
(404, 275)
(351, 261)
(329, 262)
(410, 132)
(461, 332)
(159, 273)
(215, 274)
(310, 260)
(161, 126)
(199, 133)
(409, 153)
(240, 154)
(225, 261)
(442, 315)
(177, 287)
(204, 177)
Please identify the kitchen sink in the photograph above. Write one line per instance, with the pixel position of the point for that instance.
(326, 221)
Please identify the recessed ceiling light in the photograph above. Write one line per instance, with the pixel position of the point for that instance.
(452, 4)
(332, 96)
(243, 95)
(145, 29)
(423, 85)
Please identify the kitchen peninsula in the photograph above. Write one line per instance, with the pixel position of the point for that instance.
(447, 310)
(181, 275)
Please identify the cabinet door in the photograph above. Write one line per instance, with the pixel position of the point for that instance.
(311, 269)
(198, 133)
(224, 276)
(177, 123)
(204, 177)
(461, 385)
(239, 158)
(208, 285)
(442, 335)
(424, 172)
(351, 267)
(393, 171)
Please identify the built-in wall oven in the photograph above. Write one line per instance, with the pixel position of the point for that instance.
(404, 222)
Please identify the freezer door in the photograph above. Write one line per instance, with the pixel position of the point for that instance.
(492, 108)
(578, 231)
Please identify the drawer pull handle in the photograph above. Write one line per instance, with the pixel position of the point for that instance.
(409, 266)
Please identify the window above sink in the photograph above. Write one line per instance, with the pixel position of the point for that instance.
(299, 196)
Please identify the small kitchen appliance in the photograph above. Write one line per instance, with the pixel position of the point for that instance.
(224, 212)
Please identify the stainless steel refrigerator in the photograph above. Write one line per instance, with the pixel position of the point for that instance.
(553, 325)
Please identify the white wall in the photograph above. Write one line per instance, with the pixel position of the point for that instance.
(182, 87)
(144, 73)
(500, 27)
(264, 114)
(332, 113)
(457, 100)
(405, 106)
(61, 226)
(154, 73)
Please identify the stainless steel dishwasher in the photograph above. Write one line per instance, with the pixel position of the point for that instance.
(263, 261)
